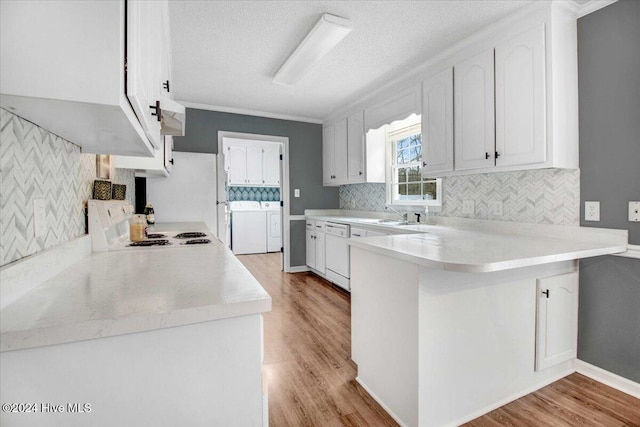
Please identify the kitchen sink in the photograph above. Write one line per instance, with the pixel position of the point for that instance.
(393, 222)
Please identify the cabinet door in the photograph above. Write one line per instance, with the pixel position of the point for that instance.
(328, 154)
(236, 161)
(437, 123)
(168, 153)
(340, 152)
(520, 100)
(254, 164)
(474, 113)
(144, 51)
(320, 253)
(557, 320)
(271, 164)
(311, 249)
(355, 147)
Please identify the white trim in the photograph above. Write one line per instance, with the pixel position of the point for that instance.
(248, 112)
(284, 188)
(622, 384)
(633, 251)
(299, 269)
(592, 6)
(297, 217)
(377, 399)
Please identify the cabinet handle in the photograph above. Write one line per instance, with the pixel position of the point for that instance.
(165, 85)
(487, 156)
(546, 293)
(360, 173)
(171, 161)
(497, 154)
(158, 110)
(424, 164)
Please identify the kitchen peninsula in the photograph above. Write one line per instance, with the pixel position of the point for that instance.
(451, 322)
(154, 336)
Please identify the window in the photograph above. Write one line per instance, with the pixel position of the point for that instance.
(405, 185)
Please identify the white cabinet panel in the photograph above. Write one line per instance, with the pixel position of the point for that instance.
(315, 241)
(320, 253)
(355, 147)
(271, 164)
(236, 164)
(358, 232)
(340, 151)
(520, 99)
(437, 123)
(311, 247)
(557, 316)
(254, 164)
(328, 154)
(474, 112)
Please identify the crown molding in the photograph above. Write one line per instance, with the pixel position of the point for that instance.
(592, 6)
(248, 112)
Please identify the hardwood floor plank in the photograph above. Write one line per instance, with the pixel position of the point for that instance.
(311, 377)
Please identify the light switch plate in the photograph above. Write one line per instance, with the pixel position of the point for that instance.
(634, 211)
(592, 211)
(296, 192)
(468, 207)
(497, 208)
(39, 218)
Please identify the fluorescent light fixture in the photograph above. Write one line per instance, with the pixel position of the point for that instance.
(326, 34)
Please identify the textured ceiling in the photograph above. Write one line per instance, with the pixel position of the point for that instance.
(226, 52)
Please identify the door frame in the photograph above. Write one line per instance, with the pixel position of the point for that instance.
(284, 184)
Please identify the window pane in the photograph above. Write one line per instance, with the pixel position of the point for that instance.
(403, 156)
(402, 191)
(415, 153)
(415, 140)
(401, 175)
(429, 190)
(414, 190)
(413, 174)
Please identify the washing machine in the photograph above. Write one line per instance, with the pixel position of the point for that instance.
(248, 228)
(274, 226)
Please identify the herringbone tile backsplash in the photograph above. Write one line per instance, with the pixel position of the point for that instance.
(544, 196)
(36, 164)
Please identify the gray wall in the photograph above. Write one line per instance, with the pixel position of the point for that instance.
(609, 84)
(305, 158)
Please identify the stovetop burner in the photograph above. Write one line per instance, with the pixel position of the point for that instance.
(144, 243)
(190, 235)
(156, 236)
(196, 242)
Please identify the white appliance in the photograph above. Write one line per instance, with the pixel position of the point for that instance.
(274, 226)
(109, 230)
(337, 254)
(189, 193)
(248, 228)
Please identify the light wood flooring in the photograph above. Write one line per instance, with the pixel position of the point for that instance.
(310, 375)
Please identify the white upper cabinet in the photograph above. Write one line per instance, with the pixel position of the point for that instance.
(328, 154)
(474, 112)
(340, 151)
(254, 164)
(437, 124)
(90, 85)
(355, 147)
(235, 158)
(520, 99)
(161, 164)
(271, 164)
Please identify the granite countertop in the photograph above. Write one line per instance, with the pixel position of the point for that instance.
(114, 293)
(484, 246)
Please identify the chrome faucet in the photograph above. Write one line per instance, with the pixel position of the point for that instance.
(403, 215)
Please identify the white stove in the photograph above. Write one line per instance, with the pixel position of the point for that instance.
(109, 230)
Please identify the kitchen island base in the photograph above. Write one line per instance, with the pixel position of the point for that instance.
(206, 373)
(437, 347)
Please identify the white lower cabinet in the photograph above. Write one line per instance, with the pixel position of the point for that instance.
(557, 320)
(316, 245)
(360, 232)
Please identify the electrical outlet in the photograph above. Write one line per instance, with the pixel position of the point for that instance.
(296, 192)
(39, 218)
(468, 207)
(496, 208)
(592, 211)
(634, 211)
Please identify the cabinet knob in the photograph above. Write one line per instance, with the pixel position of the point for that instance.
(424, 164)
(360, 173)
(497, 154)
(171, 161)
(546, 293)
(487, 156)
(157, 110)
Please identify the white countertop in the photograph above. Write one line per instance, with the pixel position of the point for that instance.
(492, 246)
(113, 293)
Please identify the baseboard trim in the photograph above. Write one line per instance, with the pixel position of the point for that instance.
(622, 384)
(298, 269)
(380, 402)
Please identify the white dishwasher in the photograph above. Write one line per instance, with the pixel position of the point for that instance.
(337, 254)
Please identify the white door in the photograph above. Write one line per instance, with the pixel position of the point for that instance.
(328, 154)
(311, 246)
(144, 38)
(474, 113)
(340, 151)
(271, 164)
(557, 329)
(254, 164)
(437, 124)
(520, 99)
(223, 219)
(320, 252)
(355, 147)
(236, 162)
(189, 193)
